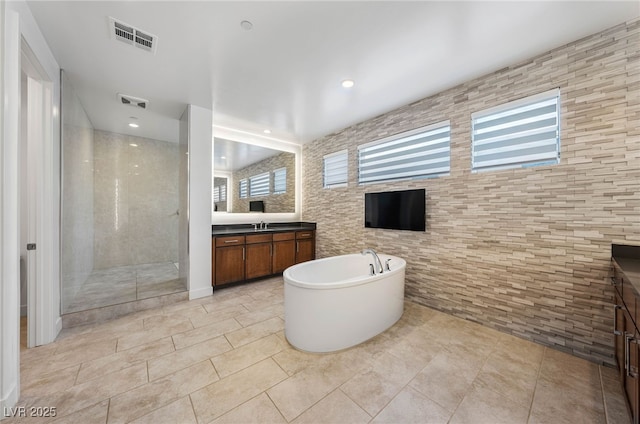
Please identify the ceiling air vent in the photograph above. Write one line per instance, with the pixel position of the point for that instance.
(126, 99)
(133, 36)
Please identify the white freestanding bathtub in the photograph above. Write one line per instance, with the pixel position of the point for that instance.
(334, 303)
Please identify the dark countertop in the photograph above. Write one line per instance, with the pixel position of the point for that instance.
(276, 227)
(627, 260)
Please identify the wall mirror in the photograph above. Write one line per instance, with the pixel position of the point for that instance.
(254, 180)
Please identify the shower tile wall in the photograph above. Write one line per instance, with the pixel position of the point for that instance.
(77, 175)
(525, 251)
(136, 200)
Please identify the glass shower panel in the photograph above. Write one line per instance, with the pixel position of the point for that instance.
(120, 215)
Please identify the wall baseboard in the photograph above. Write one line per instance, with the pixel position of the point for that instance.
(198, 293)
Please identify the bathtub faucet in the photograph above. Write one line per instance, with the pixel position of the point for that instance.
(376, 258)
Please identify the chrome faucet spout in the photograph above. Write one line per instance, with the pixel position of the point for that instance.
(376, 258)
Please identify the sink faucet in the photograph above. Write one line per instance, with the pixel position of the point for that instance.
(376, 258)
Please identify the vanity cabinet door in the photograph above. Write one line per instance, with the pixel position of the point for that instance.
(259, 252)
(230, 264)
(284, 254)
(305, 246)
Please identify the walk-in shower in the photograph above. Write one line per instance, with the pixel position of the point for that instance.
(120, 213)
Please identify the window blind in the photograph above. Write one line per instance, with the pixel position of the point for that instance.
(259, 185)
(418, 153)
(280, 181)
(243, 189)
(521, 133)
(336, 169)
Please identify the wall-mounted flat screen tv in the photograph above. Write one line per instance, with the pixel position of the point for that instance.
(256, 206)
(395, 210)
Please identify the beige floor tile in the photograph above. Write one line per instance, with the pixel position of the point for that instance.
(335, 408)
(247, 355)
(484, 406)
(84, 395)
(235, 390)
(95, 414)
(259, 410)
(254, 317)
(218, 315)
(293, 361)
(375, 387)
(219, 302)
(411, 407)
(124, 359)
(184, 358)
(201, 334)
(138, 338)
(616, 410)
(447, 377)
(254, 332)
(156, 394)
(294, 395)
(178, 412)
(261, 304)
(568, 400)
(558, 366)
(69, 358)
(40, 384)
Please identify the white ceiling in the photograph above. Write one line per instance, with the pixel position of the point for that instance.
(230, 156)
(285, 73)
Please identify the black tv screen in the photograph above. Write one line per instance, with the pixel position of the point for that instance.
(256, 206)
(395, 210)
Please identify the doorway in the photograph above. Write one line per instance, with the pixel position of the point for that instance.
(35, 154)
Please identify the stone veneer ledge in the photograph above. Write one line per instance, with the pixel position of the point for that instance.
(524, 251)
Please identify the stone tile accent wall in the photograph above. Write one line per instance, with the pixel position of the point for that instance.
(524, 251)
(285, 202)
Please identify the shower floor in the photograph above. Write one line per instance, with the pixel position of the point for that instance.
(112, 286)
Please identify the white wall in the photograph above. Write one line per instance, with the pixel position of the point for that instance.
(200, 136)
(18, 23)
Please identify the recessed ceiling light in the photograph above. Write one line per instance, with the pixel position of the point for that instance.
(223, 157)
(347, 83)
(267, 131)
(133, 125)
(133, 145)
(246, 25)
(133, 122)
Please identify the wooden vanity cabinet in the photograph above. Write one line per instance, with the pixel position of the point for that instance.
(284, 251)
(230, 258)
(240, 258)
(626, 341)
(259, 253)
(305, 246)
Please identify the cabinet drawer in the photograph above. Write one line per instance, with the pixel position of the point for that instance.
(284, 236)
(304, 235)
(259, 238)
(229, 241)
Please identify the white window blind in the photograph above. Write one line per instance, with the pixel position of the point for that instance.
(243, 189)
(280, 181)
(522, 133)
(259, 185)
(336, 169)
(220, 193)
(419, 153)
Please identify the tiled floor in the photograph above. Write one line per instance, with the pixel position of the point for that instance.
(224, 359)
(112, 286)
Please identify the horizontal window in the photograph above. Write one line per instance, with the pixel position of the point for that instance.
(259, 185)
(280, 181)
(243, 189)
(336, 169)
(419, 153)
(522, 133)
